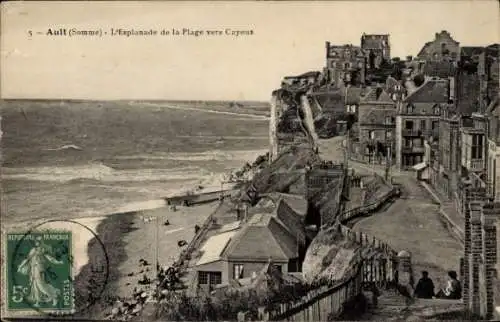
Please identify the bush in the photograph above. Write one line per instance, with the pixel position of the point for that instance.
(419, 79)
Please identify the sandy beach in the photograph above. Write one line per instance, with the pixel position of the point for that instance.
(129, 237)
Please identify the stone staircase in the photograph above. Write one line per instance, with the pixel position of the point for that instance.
(392, 306)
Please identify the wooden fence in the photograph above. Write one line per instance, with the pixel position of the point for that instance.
(198, 237)
(328, 300)
(377, 266)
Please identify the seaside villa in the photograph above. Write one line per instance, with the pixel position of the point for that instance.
(272, 231)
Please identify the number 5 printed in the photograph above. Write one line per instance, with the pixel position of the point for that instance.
(18, 292)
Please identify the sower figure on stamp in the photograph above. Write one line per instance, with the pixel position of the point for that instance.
(35, 266)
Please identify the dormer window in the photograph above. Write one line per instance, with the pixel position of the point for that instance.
(409, 109)
(436, 110)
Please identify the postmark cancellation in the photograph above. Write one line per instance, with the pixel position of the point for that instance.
(39, 272)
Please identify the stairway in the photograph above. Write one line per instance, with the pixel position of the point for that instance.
(392, 306)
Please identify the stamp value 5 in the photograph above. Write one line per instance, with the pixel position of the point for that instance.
(39, 272)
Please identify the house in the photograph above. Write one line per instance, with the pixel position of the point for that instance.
(445, 167)
(377, 49)
(376, 125)
(441, 69)
(244, 251)
(395, 88)
(488, 73)
(492, 149)
(272, 230)
(308, 78)
(418, 118)
(345, 64)
(443, 47)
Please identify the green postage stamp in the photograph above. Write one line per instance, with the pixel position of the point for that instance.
(39, 272)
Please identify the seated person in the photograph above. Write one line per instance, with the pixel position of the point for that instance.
(453, 288)
(425, 287)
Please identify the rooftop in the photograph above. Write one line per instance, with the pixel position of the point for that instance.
(433, 90)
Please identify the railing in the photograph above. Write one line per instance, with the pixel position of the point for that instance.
(413, 149)
(365, 209)
(323, 301)
(409, 132)
(195, 242)
(476, 164)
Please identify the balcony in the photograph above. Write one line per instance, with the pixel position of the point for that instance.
(410, 132)
(413, 149)
(476, 165)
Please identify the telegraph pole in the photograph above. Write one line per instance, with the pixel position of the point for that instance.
(346, 150)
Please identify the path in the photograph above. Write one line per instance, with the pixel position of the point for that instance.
(413, 223)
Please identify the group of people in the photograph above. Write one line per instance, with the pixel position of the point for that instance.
(425, 287)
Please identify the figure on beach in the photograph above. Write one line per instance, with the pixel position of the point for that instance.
(35, 266)
(425, 287)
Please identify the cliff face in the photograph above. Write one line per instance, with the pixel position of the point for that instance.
(330, 256)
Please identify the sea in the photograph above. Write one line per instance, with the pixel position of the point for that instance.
(72, 159)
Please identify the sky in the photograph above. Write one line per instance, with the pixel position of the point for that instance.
(288, 38)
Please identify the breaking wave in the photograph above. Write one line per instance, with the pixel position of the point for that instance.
(214, 155)
(102, 173)
(66, 147)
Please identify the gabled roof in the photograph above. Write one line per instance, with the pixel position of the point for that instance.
(354, 95)
(214, 246)
(296, 202)
(423, 51)
(391, 82)
(377, 94)
(262, 238)
(432, 91)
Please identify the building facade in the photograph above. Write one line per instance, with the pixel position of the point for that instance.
(345, 64)
(377, 49)
(376, 126)
(418, 118)
(443, 47)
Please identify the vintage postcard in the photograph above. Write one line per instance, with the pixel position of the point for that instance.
(240, 161)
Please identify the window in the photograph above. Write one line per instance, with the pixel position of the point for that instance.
(238, 271)
(371, 135)
(408, 143)
(215, 278)
(347, 65)
(409, 125)
(436, 110)
(388, 120)
(278, 267)
(435, 125)
(409, 109)
(388, 134)
(477, 146)
(202, 278)
(212, 278)
(423, 126)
